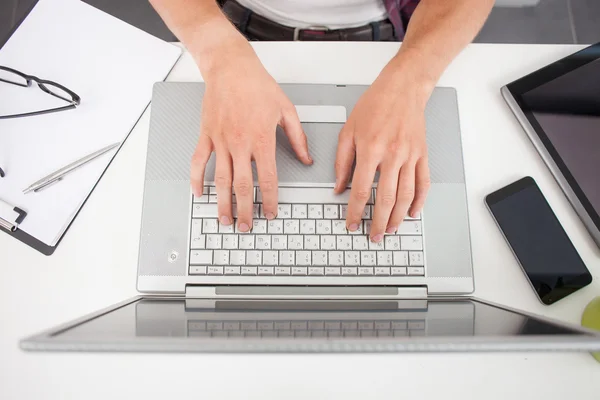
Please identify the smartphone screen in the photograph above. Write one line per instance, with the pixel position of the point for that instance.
(538, 240)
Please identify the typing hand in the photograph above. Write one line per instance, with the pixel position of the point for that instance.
(385, 132)
(241, 109)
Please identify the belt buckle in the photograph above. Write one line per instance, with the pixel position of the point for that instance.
(310, 28)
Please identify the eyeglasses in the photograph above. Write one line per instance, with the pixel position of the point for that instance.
(14, 77)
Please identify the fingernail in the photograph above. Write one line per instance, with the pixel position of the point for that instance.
(353, 227)
(391, 229)
(337, 182)
(225, 220)
(270, 215)
(377, 238)
(310, 160)
(197, 193)
(244, 227)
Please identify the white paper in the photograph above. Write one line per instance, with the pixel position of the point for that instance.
(321, 113)
(111, 65)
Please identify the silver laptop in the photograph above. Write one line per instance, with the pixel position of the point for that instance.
(301, 282)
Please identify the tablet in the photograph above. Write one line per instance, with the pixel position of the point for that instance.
(559, 109)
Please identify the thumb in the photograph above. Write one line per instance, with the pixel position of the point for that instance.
(293, 130)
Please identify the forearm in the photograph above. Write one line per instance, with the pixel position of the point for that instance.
(437, 32)
(201, 27)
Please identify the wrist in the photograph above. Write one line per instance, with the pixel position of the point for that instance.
(415, 72)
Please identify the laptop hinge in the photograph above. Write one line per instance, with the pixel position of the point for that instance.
(306, 292)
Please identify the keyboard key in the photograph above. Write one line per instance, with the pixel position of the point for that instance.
(311, 242)
(201, 199)
(284, 211)
(225, 228)
(282, 270)
(270, 257)
(201, 257)
(221, 257)
(360, 242)
(352, 258)
(287, 257)
(249, 270)
(298, 325)
(398, 271)
(198, 242)
(254, 257)
(328, 242)
(201, 210)
(332, 271)
(409, 228)
(198, 270)
(416, 258)
(237, 257)
(259, 226)
(376, 246)
(265, 270)
(382, 271)
(416, 324)
(420, 271)
(365, 271)
(282, 325)
(196, 227)
(232, 270)
(332, 211)
(384, 258)
(400, 258)
(339, 227)
(246, 242)
(349, 325)
(367, 226)
(230, 242)
(279, 242)
(411, 242)
(299, 211)
(319, 258)
(212, 198)
(399, 325)
(344, 242)
(409, 218)
(307, 227)
(382, 325)
(263, 242)
(299, 270)
(323, 227)
(275, 226)
(315, 211)
(336, 258)
(344, 211)
(316, 271)
(349, 271)
(366, 325)
(366, 212)
(213, 241)
(215, 270)
(248, 325)
(333, 325)
(255, 209)
(303, 258)
(295, 242)
(359, 231)
(368, 258)
(291, 226)
(210, 225)
(392, 242)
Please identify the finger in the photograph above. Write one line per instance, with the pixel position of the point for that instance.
(244, 191)
(344, 159)
(422, 184)
(199, 159)
(223, 178)
(293, 130)
(405, 195)
(264, 155)
(384, 201)
(361, 191)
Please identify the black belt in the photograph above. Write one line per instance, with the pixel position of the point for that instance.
(258, 27)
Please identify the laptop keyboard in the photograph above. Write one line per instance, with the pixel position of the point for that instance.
(306, 328)
(307, 238)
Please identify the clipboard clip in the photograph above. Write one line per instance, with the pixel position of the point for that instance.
(17, 216)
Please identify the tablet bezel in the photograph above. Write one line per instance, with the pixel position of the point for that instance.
(520, 87)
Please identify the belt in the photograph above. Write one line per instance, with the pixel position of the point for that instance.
(255, 26)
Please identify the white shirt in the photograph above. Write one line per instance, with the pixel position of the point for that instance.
(333, 14)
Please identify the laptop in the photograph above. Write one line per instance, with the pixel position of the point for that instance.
(302, 282)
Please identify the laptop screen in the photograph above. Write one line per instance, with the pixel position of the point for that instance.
(180, 318)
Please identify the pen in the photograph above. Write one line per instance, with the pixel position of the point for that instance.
(58, 175)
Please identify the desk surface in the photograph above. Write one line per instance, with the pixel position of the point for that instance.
(96, 263)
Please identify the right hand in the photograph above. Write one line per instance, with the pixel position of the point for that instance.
(241, 109)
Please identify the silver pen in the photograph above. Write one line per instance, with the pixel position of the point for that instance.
(58, 175)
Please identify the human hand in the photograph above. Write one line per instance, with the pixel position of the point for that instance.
(241, 109)
(386, 132)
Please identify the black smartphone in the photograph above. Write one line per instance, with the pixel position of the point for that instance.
(538, 240)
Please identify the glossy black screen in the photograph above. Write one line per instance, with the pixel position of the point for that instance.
(538, 240)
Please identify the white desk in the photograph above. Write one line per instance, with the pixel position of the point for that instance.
(95, 266)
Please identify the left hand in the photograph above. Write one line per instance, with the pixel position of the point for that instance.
(386, 132)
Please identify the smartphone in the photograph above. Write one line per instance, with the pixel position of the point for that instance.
(537, 239)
